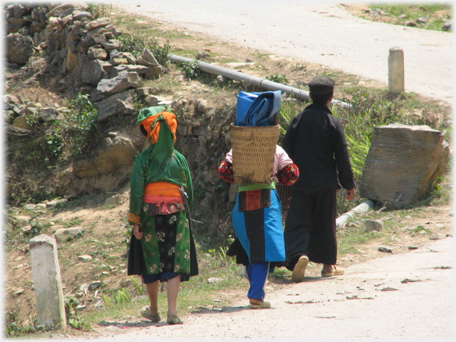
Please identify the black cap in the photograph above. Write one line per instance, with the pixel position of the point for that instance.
(321, 86)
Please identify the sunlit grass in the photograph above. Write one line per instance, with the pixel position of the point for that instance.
(435, 15)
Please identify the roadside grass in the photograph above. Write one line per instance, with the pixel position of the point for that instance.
(218, 278)
(394, 222)
(434, 15)
(221, 282)
(369, 108)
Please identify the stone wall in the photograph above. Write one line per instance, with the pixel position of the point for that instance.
(82, 53)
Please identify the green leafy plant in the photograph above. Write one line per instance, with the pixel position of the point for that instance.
(121, 296)
(278, 78)
(137, 286)
(72, 134)
(191, 69)
(74, 222)
(366, 111)
(100, 10)
(14, 326)
(72, 318)
(136, 44)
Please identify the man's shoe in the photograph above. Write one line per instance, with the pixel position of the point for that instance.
(336, 271)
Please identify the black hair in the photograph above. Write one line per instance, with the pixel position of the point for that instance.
(143, 130)
(322, 99)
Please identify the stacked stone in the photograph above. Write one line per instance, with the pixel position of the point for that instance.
(83, 52)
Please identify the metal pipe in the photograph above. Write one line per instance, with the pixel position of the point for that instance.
(362, 208)
(259, 82)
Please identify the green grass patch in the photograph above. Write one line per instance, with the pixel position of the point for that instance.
(217, 273)
(434, 15)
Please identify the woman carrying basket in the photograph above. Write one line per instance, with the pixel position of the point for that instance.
(257, 222)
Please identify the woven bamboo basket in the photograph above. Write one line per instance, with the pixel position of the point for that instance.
(253, 149)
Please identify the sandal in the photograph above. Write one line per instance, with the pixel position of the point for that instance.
(300, 269)
(263, 305)
(146, 314)
(174, 319)
(337, 271)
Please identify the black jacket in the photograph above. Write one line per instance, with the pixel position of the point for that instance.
(315, 141)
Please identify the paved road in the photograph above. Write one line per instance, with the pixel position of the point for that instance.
(318, 32)
(405, 296)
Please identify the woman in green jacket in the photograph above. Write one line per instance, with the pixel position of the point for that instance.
(161, 197)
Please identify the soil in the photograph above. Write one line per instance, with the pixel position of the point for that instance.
(107, 225)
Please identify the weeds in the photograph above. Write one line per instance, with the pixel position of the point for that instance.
(432, 16)
(71, 134)
(191, 69)
(100, 10)
(372, 108)
(369, 108)
(137, 286)
(278, 78)
(14, 326)
(72, 318)
(117, 297)
(136, 44)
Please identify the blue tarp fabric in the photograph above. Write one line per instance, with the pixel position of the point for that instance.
(257, 109)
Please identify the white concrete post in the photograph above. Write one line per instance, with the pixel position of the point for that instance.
(47, 282)
(396, 71)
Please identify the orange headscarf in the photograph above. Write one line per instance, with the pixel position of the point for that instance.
(153, 128)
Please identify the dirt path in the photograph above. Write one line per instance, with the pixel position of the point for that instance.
(323, 33)
(397, 296)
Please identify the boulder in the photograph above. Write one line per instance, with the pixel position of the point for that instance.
(65, 9)
(67, 234)
(115, 152)
(402, 164)
(101, 22)
(119, 103)
(149, 57)
(373, 225)
(19, 48)
(92, 72)
(110, 45)
(21, 122)
(140, 69)
(120, 83)
(97, 52)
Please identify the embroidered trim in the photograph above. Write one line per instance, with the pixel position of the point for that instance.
(133, 218)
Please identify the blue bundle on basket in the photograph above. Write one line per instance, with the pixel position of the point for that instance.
(257, 109)
(254, 136)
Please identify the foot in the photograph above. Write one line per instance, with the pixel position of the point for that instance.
(259, 305)
(300, 269)
(174, 319)
(332, 271)
(145, 312)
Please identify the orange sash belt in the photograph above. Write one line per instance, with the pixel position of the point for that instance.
(162, 192)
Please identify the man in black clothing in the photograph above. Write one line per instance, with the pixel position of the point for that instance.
(315, 141)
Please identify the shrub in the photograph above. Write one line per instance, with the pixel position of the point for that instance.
(136, 44)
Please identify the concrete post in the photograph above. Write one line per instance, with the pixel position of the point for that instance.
(396, 71)
(47, 282)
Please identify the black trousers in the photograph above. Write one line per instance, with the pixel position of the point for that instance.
(310, 227)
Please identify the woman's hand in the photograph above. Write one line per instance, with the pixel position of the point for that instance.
(136, 232)
(350, 194)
